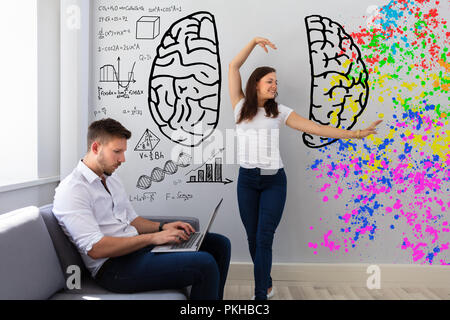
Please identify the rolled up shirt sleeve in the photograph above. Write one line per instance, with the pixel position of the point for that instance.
(131, 213)
(76, 218)
(285, 112)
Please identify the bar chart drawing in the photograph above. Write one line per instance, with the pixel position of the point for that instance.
(212, 173)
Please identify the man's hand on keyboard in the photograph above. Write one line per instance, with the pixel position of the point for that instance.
(179, 225)
(169, 236)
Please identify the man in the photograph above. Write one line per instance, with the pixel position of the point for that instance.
(93, 209)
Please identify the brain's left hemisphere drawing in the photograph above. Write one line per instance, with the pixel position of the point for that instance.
(185, 80)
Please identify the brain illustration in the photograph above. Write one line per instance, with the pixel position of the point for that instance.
(339, 78)
(185, 80)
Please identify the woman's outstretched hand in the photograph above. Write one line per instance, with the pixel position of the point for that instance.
(263, 43)
(370, 130)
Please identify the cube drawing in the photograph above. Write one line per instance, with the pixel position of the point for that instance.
(147, 27)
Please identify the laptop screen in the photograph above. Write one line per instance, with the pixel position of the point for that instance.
(211, 219)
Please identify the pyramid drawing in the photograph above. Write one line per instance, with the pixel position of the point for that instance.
(147, 142)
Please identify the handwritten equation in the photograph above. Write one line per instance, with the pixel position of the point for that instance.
(179, 196)
(115, 8)
(102, 111)
(132, 112)
(126, 93)
(102, 34)
(151, 155)
(119, 47)
(151, 196)
(146, 196)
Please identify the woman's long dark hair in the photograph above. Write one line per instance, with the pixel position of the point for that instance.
(250, 107)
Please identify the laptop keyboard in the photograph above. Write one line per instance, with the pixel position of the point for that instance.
(188, 243)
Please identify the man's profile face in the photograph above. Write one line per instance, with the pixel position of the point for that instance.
(111, 155)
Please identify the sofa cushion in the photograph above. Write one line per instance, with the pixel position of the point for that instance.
(67, 252)
(90, 290)
(29, 267)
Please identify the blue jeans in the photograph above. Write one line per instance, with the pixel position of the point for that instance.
(261, 200)
(205, 270)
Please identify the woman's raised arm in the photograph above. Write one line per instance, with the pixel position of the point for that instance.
(234, 76)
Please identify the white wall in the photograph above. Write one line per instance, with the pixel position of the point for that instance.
(48, 88)
(41, 192)
(74, 52)
(237, 22)
(28, 196)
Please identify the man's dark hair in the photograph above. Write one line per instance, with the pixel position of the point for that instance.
(104, 130)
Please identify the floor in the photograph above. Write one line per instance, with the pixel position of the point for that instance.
(286, 290)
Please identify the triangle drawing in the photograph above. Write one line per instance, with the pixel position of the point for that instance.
(147, 142)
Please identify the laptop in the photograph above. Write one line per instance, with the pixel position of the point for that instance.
(193, 243)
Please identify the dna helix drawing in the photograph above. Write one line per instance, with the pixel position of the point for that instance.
(158, 174)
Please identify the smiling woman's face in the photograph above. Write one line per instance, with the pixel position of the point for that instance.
(266, 88)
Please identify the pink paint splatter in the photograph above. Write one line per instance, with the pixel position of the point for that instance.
(415, 175)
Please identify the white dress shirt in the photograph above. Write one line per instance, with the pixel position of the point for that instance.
(87, 212)
(259, 138)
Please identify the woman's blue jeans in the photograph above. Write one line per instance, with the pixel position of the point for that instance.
(261, 199)
(205, 270)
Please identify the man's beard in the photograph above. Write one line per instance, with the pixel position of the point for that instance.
(103, 164)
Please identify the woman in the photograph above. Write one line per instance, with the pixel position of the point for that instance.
(262, 181)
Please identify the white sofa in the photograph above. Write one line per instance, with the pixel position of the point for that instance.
(35, 255)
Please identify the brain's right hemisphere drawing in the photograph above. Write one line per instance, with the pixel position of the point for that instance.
(185, 80)
(339, 78)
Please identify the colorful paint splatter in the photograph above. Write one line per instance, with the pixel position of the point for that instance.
(404, 176)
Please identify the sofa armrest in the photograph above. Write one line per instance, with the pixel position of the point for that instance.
(194, 222)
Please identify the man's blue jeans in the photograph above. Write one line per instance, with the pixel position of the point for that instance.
(205, 270)
(261, 199)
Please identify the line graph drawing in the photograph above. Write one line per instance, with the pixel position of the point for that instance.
(339, 78)
(158, 174)
(110, 74)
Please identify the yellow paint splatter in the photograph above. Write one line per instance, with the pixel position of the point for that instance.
(346, 63)
(334, 116)
(409, 86)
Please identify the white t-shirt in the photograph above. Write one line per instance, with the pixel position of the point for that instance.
(87, 212)
(258, 139)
